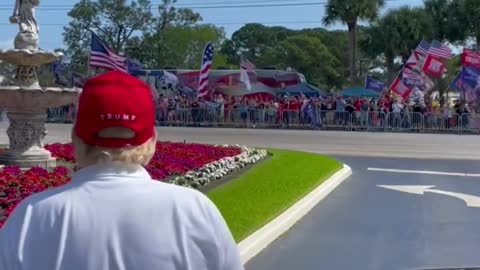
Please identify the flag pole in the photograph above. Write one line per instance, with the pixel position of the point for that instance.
(88, 65)
(90, 53)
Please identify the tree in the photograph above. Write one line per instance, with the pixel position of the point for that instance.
(309, 56)
(336, 41)
(350, 12)
(172, 16)
(450, 20)
(252, 41)
(118, 22)
(115, 21)
(467, 17)
(396, 34)
(178, 46)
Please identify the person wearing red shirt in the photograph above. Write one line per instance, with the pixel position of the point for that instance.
(294, 110)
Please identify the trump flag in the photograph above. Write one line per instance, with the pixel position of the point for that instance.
(433, 66)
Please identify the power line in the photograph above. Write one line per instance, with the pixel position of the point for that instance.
(207, 7)
(181, 4)
(215, 23)
(60, 8)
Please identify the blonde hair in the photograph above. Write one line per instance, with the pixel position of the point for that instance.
(86, 155)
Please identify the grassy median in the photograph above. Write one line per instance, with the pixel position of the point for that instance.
(269, 188)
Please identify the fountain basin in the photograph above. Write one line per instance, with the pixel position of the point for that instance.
(27, 113)
(29, 57)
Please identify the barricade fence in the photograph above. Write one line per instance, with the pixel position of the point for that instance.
(329, 120)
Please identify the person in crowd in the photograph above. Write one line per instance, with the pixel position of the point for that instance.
(112, 215)
(221, 107)
(195, 110)
(397, 108)
(340, 117)
(162, 109)
(243, 109)
(294, 111)
(285, 109)
(252, 109)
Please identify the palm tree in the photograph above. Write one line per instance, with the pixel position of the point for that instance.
(404, 28)
(350, 12)
(396, 34)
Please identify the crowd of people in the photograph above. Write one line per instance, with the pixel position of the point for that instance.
(302, 109)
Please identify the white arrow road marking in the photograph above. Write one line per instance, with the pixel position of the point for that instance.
(408, 189)
(470, 200)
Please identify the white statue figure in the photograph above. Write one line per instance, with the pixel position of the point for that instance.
(24, 15)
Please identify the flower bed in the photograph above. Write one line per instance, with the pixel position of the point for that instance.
(170, 158)
(191, 165)
(16, 185)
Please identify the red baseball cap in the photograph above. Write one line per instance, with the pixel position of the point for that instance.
(115, 99)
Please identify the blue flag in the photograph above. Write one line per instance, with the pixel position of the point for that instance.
(311, 112)
(470, 76)
(133, 65)
(57, 68)
(77, 80)
(373, 84)
(457, 83)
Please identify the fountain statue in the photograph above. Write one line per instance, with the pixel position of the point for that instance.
(26, 101)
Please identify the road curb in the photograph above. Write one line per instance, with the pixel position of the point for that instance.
(263, 237)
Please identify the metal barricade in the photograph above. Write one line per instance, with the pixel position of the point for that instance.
(395, 121)
(368, 120)
(441, 122)
(469, 123)
(56, 115)
(376, 121)
(330, 120)
(415, 121)
(336, 120)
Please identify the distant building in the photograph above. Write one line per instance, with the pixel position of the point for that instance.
(225, 81)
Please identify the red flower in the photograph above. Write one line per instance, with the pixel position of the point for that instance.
(169, 159)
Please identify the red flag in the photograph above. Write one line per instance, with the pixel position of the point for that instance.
(412, 61)
(470, 58)
(433, 66)
(399, 88)
(416, 61)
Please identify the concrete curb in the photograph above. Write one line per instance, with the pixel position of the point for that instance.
(259, 240)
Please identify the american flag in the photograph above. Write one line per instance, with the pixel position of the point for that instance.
(440, 50)
(153, 89)
(101, 56)
(423, 47)
(247, 66)
(205, 70)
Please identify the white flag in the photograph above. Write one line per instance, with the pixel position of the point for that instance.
(246, 67)
(245, 79)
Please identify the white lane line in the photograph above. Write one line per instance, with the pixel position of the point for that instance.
(424, 172)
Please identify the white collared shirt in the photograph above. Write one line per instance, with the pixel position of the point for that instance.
(110, 217)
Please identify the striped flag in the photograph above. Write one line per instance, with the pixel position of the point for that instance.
(248, 66)
(102, 57)
(205, 70)
(440, 50)
(423, 47)
(153, 88)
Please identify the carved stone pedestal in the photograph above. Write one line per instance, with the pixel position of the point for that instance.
(25, 134)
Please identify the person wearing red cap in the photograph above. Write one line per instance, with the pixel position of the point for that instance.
(112, 215)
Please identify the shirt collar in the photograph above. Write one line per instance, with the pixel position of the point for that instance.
(110, 171)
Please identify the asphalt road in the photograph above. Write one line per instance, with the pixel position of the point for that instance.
(425, 146)
(362, 226)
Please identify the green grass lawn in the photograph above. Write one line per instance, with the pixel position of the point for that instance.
(269, 188)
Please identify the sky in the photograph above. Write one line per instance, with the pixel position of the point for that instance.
(296, 17)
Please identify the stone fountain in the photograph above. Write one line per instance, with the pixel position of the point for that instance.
(26, 101)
